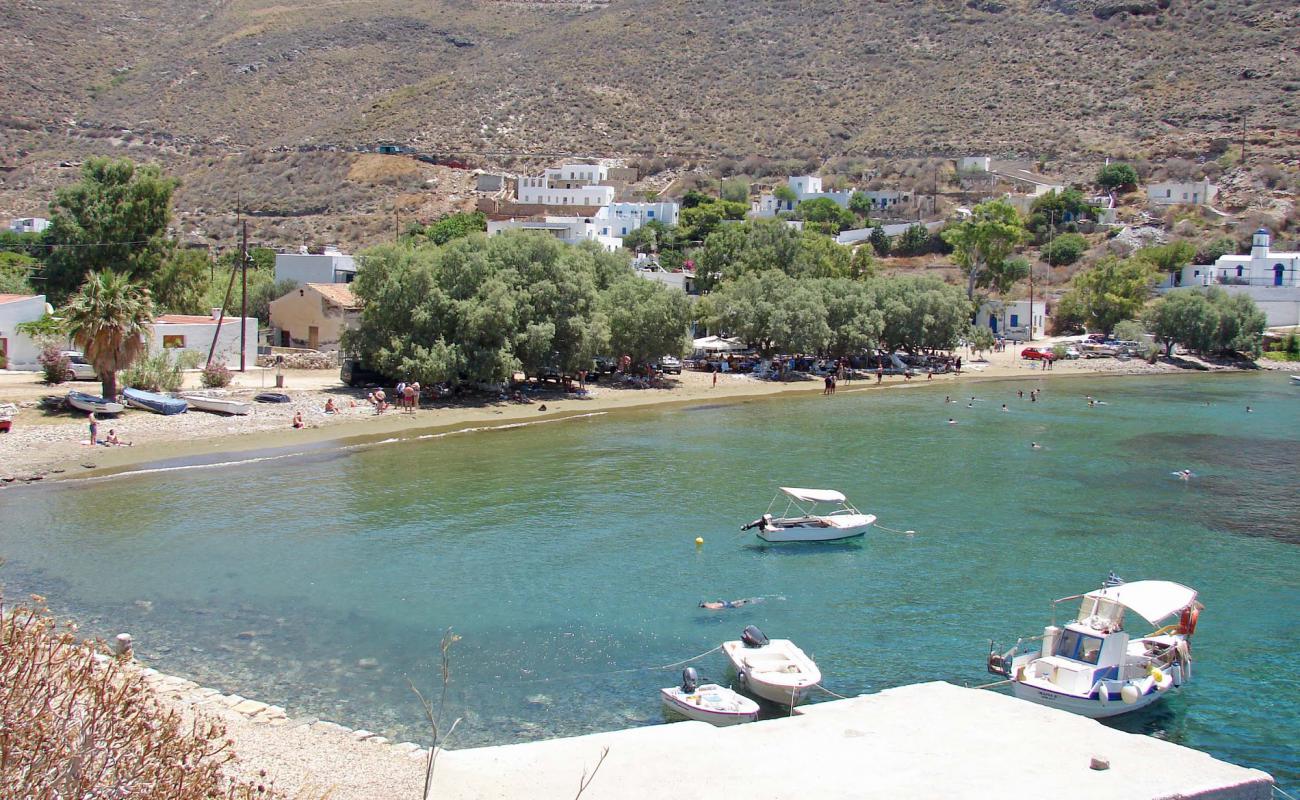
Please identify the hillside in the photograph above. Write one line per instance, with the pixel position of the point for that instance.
(192, 81)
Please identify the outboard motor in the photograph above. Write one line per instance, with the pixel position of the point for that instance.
(760, 523)
(753, 637)
(690, 679)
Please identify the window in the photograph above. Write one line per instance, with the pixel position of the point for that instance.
(1078, 646)
(650, 213)
(1169, 192)
(1239, 269)
(173, 341)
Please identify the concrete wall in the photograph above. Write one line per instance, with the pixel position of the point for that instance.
(313, 268)
(21, 350)
(197, 337)
(304, 308)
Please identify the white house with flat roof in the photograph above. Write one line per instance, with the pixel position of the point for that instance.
(1011, 319)
(620, 219)
(18, 351)
(567, 185)
(1182, 193)
(194, 332)
(570, 230)
(1269, 277)
(29, 224)
(303, 267)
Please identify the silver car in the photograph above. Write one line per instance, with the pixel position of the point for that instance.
(79, 369)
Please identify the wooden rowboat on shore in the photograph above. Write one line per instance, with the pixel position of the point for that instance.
(218, 405)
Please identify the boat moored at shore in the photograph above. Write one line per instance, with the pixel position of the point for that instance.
(89, 402)
(218, 405)
(709, 702)
(152, 401)
(773, 669)
(1092, 666)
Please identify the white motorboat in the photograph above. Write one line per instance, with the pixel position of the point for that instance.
(711, 703)
(1092, 666)
(1295, 379)
(89, 402)
(218, 405)
(811, 515)
(773, 669)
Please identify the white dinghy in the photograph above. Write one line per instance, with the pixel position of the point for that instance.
(711, 703)
(773, 669)
(811, 515)
(1092, 666)
(218, 405)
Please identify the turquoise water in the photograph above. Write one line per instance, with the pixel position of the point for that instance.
(563, 554)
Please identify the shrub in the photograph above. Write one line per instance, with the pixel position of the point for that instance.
(157, 373)
(1065, 249)
(80, 724)
(54, 364)
(216, 375)
(1117, 176)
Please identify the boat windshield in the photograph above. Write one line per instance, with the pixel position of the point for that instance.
(1096, 610)
(1078, 646)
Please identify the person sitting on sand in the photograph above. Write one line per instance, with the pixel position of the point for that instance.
(297, 419)
(112, 439)
(715, 605)
(330, 408)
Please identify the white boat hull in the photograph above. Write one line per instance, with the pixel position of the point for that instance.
(778, 672)
(716, 705)
(1092, 707)
(843, 527)
(99, 408)
(218, 405)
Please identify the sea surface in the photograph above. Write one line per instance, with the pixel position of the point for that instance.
(563, 555)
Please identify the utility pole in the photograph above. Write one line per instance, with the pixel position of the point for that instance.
(1051, 236)
(397, 225)
(243, 301)
(1243, 141)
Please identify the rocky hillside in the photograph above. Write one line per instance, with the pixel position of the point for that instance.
(197, 82)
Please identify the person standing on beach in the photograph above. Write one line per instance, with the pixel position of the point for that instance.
(94, 428)
(958, 365)
(408, 398)
(714, 370)
(880, 373)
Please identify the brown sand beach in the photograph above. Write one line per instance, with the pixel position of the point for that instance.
(53, 444)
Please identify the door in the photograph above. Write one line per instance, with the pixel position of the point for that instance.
(313, 337)
(1277, 277)
(4, 353)
(993, 323)
(285, 340)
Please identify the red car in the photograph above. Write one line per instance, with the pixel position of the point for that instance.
(1038, 355)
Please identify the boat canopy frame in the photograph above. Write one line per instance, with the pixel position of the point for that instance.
(805, 501)
(1154, 601)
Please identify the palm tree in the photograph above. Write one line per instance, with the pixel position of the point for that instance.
(108, 318)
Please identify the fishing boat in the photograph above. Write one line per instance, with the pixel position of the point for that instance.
(1093, 666)
(218, 405)
(152, 401)
(711, 703)
(811, 515)
(272, 397)
(773, 669)
(89, 402)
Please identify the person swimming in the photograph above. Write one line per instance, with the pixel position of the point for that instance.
(715, 605)
(1185, 474)
(1035, 446)
(952, 421)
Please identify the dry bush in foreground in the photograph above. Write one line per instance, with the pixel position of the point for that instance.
(76, 723)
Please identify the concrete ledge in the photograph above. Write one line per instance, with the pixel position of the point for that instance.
(932, 740)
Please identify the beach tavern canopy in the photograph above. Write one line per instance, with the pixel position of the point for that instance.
(717, 344)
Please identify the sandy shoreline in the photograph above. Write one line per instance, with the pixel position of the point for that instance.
(53, 444)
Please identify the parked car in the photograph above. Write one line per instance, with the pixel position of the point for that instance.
(354, 373)
(79, 369)
(670, 365)
(1036, 354)
(1072, 352)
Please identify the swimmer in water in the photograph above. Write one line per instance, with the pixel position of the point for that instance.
(952, 421)
(1035, 446)
(1004, 407)
(1248, 410)
(1184, 474)
(715, 605)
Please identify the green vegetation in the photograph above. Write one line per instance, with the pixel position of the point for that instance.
(1055, 209)
(824, 215)
(1110, 292)
(980, 338)
(860, 204)
(181, 283)
(114, 218)
(915, 241)
(1212, 251)
(735, 190)
(763, 244)
(108, 318)
(480, 309)
(983, 242)
(54, 364)
(880, 241)
(706, 214)
(1117, 176)
(161, 372)
(448, 227)
(15, 272)
(1065, 249)
(1206, 321)
(1168, 257)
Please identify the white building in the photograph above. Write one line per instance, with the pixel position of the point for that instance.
(620, 219)
(1270, 277)
(974, 164)
(1011, 319)
(859, 235)
(1178, 193)
(330, 266)
(769, 205)
(570, 230)
(18, 351)
(809, 187)
(29, 224)
(567, 185)
(194, 333)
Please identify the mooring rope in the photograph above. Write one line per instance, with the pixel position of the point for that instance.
(991, 685)
(829, 692)
(891, 530)
(1278, 790)
(584, 676)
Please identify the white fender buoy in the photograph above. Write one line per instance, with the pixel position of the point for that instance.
(1164, 682)
(1103, 694)
(1129, 694)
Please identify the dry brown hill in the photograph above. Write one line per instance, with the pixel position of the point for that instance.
(193, 79)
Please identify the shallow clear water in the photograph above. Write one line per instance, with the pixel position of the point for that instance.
(563, 554)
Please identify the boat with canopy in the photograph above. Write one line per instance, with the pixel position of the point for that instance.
(811, 515)
(1093, 666)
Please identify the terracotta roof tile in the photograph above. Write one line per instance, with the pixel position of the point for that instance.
(339, 294)
(9, 298)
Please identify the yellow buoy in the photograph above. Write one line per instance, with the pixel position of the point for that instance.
(699, 540)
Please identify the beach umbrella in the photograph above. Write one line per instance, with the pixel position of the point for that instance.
(717, 344)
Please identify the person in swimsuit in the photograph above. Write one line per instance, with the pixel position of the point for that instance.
(715, 605)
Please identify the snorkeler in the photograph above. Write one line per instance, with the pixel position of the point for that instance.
(721, 604)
